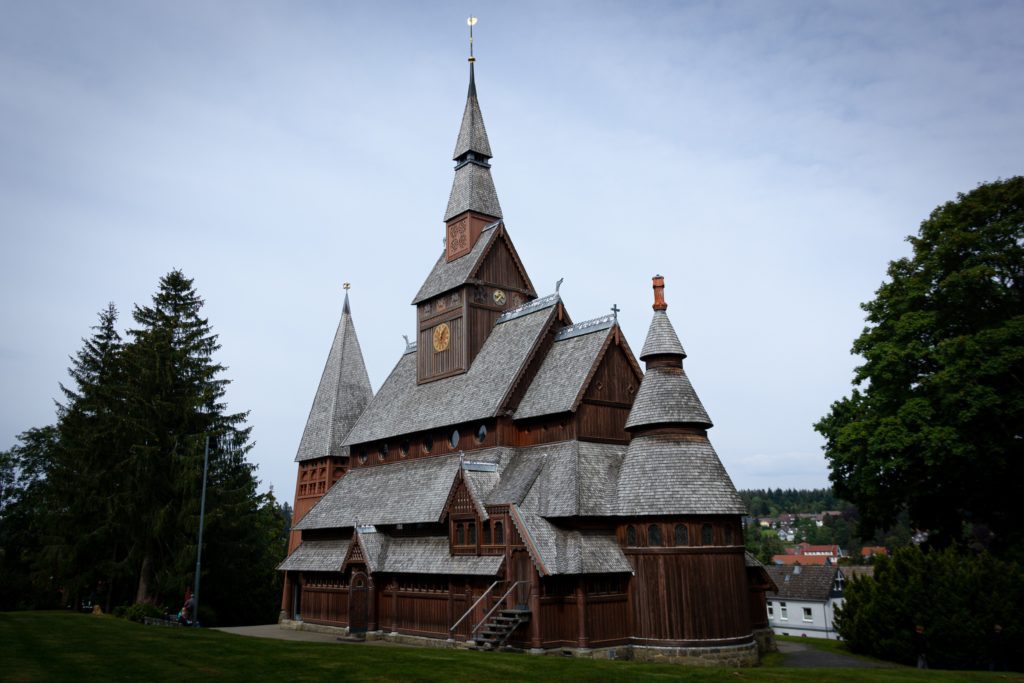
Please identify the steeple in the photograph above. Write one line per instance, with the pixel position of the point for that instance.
(666, 397)
(341, 397)
(473, 188)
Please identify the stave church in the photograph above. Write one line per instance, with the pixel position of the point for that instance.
(520, 480)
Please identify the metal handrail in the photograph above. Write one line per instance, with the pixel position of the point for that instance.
(466, 614)
(500, 601)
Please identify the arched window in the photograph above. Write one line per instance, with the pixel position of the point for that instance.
(472, 533)
(454, 440)
(460, 535)
(706, 535)
(682, 535)
(403, 450)
(486, 527)
(383, 452)
(499, 533)
(428, 443)
(654, 535)
(631, 535)
(481, 434)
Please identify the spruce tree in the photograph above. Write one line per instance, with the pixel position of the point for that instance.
(175, 401)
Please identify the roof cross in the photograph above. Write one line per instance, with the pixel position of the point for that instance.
(615, 311)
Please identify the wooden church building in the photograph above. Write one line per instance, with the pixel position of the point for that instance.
(519, 479)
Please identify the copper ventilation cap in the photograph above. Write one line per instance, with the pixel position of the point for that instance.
(658, 282)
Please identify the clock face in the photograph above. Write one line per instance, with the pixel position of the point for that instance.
(499, 297)
(442, 336)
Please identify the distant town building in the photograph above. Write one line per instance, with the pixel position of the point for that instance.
(806, 600)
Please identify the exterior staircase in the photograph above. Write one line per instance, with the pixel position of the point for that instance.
(494, 634)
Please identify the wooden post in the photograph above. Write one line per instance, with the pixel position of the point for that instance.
(581, 614)
(371, 605)
(286, 597)
(394, 605)
(535, 641)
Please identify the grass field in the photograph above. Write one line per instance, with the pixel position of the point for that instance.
(52, 646)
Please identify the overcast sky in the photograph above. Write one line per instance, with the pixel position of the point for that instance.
(767, 158)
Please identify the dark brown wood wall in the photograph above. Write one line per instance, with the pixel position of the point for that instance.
(499, 268)
(684, 595)
(431, 364)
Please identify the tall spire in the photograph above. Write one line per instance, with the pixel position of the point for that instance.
(343, 393)
(472, 188)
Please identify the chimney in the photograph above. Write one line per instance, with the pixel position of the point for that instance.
(658, 282)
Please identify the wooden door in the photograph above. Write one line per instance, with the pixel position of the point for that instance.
(522, 570)
(358, 602)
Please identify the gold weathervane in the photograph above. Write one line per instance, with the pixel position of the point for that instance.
(345, 286)
(471, 22)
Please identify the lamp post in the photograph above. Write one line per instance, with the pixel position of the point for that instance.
(199, 550)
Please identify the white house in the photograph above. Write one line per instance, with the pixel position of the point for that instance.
(806, 601)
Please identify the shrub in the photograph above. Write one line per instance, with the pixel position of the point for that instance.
(958, 598)
(141, 610)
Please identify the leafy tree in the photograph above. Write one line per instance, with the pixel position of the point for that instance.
(934, 422)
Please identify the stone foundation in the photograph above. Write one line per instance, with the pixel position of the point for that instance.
(731, 656)
(765, 638)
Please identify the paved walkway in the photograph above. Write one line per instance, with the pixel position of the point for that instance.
(802, 656)
(275, 632)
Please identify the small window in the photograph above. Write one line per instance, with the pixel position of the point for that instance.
(631, 535)
(771, 610)
(728, 534)
(682, 535)
(362, 456)
(783, 612)
(706, 535)
(472, 533)
(654, 535)
(428, 443)
(454, 440)
(383, 452)
(481, 434)
(460, 535)
(499, 533)
(807, 614)
(486, 528)
(403, 450)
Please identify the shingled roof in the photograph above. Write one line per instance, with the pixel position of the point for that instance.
(558, 385)
(399, 493)
(316, 556)
(472, 133)
(666, 395)
(447, 275)
(814, 583)
(557, 550)
(472, 188)
(342, 395)
(661, 338)
(402, 406)
(668, 474)
(432, 555)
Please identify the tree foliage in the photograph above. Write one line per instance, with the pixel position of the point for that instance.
(115, 504)
(958, 598)
(934, 422)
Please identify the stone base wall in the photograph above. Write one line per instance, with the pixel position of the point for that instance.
(732, 656)
(765, 638)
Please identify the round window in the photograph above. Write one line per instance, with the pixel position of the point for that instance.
(454, 440)
(481, 434)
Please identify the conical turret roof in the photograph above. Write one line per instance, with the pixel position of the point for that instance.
(666, 395)
(472, 133)
(473, 187)
(341, 397)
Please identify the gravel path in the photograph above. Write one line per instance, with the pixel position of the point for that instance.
(802, 656)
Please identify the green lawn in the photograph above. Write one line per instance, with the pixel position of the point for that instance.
(47, 646)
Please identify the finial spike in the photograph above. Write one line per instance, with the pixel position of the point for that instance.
(472, 22)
